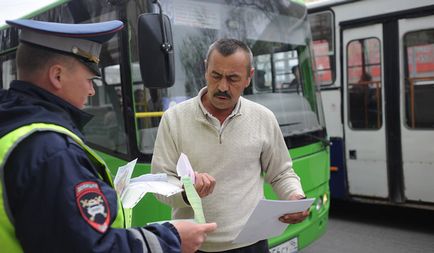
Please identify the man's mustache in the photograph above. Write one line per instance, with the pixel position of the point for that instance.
(222, 94)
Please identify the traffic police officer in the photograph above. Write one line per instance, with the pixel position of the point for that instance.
(56, 194)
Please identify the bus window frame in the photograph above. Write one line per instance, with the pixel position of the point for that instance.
(379, 86)
(409, 120)
(332, 55)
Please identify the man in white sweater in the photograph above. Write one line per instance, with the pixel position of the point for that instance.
(232, 143)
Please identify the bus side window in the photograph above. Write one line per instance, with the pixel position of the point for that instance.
(323, 46)
(419, 81)
(364, 84)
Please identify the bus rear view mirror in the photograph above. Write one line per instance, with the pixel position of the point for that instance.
(156, 57)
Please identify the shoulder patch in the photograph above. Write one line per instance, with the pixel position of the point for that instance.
(93, 205)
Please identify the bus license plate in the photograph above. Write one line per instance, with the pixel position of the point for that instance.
(290, 246)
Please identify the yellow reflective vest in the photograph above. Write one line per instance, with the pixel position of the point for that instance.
(8, 142)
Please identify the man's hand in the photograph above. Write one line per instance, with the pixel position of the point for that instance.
(192, 234)
(204, 184)
(293, 218)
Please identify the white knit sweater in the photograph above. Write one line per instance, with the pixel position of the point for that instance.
(249, 148)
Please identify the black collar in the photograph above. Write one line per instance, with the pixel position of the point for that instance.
(40, 97)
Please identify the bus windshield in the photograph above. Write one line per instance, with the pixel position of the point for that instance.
(279, 36)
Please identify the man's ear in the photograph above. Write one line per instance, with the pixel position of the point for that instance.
(252, 71)
(205, 64)
(55, 75)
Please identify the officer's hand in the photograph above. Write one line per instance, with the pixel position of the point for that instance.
(293, 218)
(204, 184)
(192, 234)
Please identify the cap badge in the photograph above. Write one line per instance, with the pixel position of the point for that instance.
(87, 55)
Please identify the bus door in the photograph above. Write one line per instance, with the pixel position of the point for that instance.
(417, 107)
(363, 96)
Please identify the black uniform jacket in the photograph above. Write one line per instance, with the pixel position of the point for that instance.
(44, 178)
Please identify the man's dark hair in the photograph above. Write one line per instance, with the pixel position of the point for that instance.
(30, 59)
(227, 47)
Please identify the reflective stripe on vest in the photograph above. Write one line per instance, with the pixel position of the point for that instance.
(9, 243)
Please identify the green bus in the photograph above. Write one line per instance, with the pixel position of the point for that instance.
(140, 80)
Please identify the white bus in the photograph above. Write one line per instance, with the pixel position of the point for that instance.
(375, 64)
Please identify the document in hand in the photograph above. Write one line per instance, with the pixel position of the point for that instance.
(186, 173)
(132, 190)
(264, 222)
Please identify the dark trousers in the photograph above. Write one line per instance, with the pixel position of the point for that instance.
(259, 247)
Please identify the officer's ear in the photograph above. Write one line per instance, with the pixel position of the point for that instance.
(55, 73)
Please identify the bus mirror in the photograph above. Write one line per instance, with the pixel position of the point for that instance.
(156, 57)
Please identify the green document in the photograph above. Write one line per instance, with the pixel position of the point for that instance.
(194, 199)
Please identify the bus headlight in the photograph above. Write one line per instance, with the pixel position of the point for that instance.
(325, 199)
(319, 203)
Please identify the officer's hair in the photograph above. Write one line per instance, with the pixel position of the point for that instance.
(228, 47)
(32, 59)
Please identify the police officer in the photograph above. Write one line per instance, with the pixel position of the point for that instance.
(56, 194)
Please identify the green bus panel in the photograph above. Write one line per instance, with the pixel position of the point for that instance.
(310, 162)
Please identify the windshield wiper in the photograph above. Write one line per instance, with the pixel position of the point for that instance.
(290, 124)
(324, 141)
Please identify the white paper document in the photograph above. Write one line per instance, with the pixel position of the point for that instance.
(136, 191)
(184, 169)
(123, 176)
(264, 222)
(132, 190)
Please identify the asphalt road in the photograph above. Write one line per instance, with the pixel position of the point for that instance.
(368, 228)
